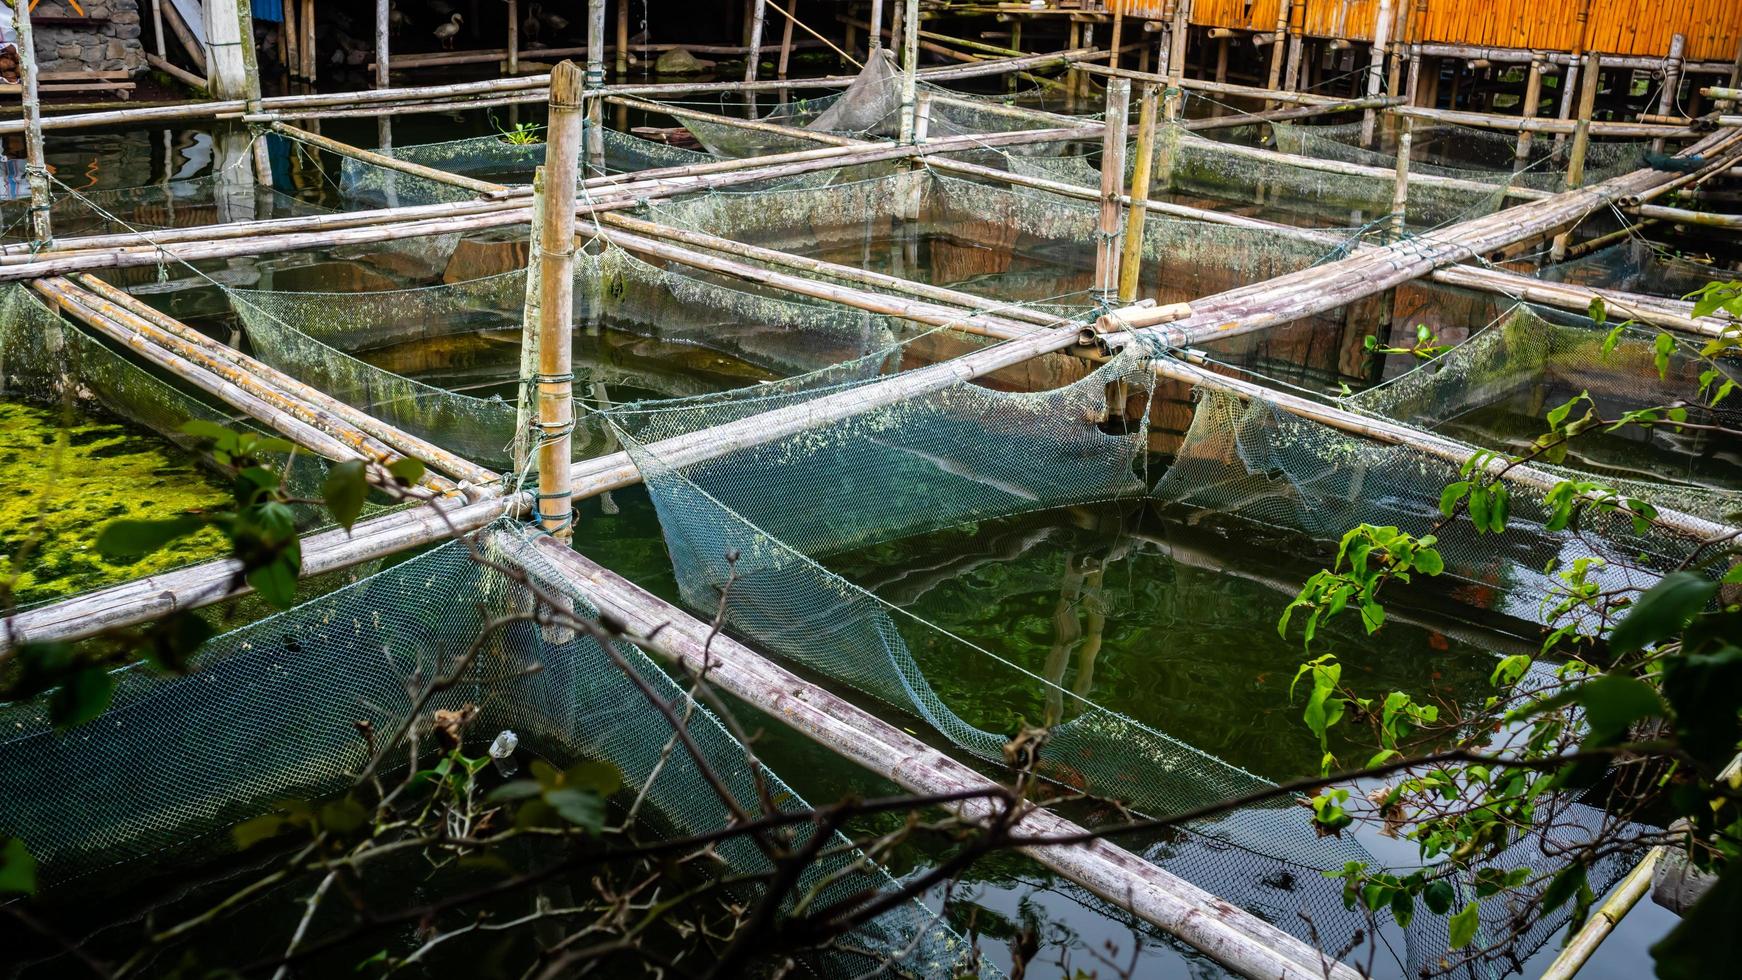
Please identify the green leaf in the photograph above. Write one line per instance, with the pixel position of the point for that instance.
(1463, 926)
(264, 827)
(1706, 943)
(1402, 907)
(1662, 348)
(276, 582)
(1705, 689)
(82, 697)
(1613, 702)
(1662, 611)
(602, 778)
(1438, 897)
(578, 806)
(1597, 311)
(1563, 886)
(217, 435)
(1429, 562)
(345, 490)
(171, 642)
(130, 539)
(344, 817)
(17, 868)
(519, 789)
(406, 470)
(1453, 493)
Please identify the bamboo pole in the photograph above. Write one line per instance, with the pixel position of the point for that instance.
(875, 17)
(1376, 66)
(321, 406)
(383, 28)
(1672, 81)
(390, 163)
(556, 271)
(1278, 49)
(786, 43)
(759, 11)
(1400, 189)
(909, 66)
(1235, 938)
(157, 29)
(175, 71)
(786, 38)
(622, 52)
(1581, 141)
(1112, 178)
(290, 56)
(237, 387)
(1118, 35)
(1296, 44)
(36, 167)
(530, 321)
(595, 46)
(1487, 120)
(309, 71)
(1570, 80)
(1681, 216)
(1131, 254)
(511, 54)
(189, 43)
(1532, 104)
(752, 125)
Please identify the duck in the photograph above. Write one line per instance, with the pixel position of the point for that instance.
(531, 25)
(556, 22)
(447, 32)
(397, 21)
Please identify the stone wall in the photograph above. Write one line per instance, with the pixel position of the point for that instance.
(112, 46)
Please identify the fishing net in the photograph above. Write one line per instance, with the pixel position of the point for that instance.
(178, 760)
(44, 357)
(764, 516)
(1639, 266)
(211, 199)
(1464, 152)
(1494, 389)
(319, 337)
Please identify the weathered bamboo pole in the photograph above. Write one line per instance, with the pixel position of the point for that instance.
(1296, 45)
(909, 68)
(36, 168)
(189, 43)
(289, 56)
(1131, 253)
(176, 71)
(753, 58)
(510, 54)
(622, 47)
(1278, 49)
(1205, 85)
(1376, 66)
(786, 38)
(753, 125)
(1681, 216)
(157, 30)
(1112, 180)
(1532, 104)
(321, 406)
(875, 17)
(530, 321)
(238, 387)
(383, 29)
(1570, 80)
(1400, 189)
(1672, 81)
(1227, 934)
(787, 43)
(595, 46)
(390, 163)
(556, 301)
(309, 71)
(1582, 131)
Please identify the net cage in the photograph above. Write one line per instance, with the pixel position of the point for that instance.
(1639, 266)
(1494, 389)
(271, 712)
(959, 455)
(228, 195)
(1465, 152)
(325, 338)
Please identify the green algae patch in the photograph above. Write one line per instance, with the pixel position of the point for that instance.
(62, 479)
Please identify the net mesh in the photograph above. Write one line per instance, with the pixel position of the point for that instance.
(1465, 152)
(210, 199)
(177, 761)
(1639, 266)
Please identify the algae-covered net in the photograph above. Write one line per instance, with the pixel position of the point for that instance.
(1640, 266)
(229, 195)
(1450, 150)
(272, 711)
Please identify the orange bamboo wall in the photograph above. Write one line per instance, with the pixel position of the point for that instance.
(1626, 27)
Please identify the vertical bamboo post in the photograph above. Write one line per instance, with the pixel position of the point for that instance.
(622, 38)
(1278, 46)
(1112, 181)
(1118, 34)
(595, 43)
(875, 40)
(909, 65)
(1672, 83)
(157, 29)
(1131, 253)
(753, 56)
(35, 166)
(1296, 44)
(530, 322)
(1016, 46)
(1071, 71)
(383, 24)
(308, 40)
(229, 77)
(292, 53)
(786, 38)
(1400, 189)
(513, 62)
(1570, 78)
(1582, 130)
(1532, 103)
(1376, 67)
(556, 276)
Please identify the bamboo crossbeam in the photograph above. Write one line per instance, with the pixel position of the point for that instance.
(386, 162)
(484, 56)
(1489, 120)
(396, 440)
(1220, 88)
(756, 126)
(1472, 52)
(1682, 216)
(1227, 934)
(175, 71)
(237, 380)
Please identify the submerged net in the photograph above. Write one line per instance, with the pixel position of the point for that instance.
(177, 761)
(211, 199)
